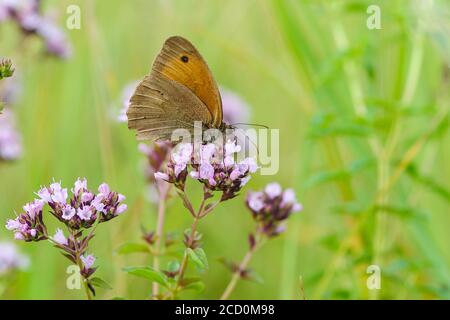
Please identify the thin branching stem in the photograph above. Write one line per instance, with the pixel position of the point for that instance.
(237, 274)
(163, 191)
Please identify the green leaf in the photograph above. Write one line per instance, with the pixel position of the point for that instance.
(428, 182)
(403, 212)
(100, 283)
(426, 243)
(133, 248)
(252, 276)
(148, 273)
(202, 255)
(196, 259)
(193, 284)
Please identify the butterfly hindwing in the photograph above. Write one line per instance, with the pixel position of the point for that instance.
(160, 105)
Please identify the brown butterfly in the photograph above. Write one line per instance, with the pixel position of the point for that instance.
(179, 90)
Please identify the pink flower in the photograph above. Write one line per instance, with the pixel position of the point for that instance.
(98, 204)
(104, 189)
(54, 38)
(273, 190)
(87, 197)
(84, 213)
(68, 212)
(161, 176)
(45, 194)
(59, 195)
(33, 232)
(60, 238)
(207, 153)
(206, 171)
(19, 236)
(121, 209)
(231, 147)
(255, 201)
(289, 199)
(249, 164)
(181, 157)
(13, 224)
(80, 186)
(10, 258)
(32, 209)
(27, 14)
(88, 261)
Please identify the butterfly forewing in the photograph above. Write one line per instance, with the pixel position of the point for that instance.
(181, 62)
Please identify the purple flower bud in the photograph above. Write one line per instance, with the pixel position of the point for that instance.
(97, 203)
(255, 201)
(161, 176)
(84, 213)
(121, 209)
(87, 197)
(33, 233)
(88, 261)
(13, 224)
(104, 189)
(80, 185)
(32, 209)
(45, 194)
(60, 238)
(273, 190)
(59, 195)
(19, 236)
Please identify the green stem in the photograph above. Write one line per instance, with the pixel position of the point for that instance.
(197, 216)
(242, 267)
(164, 189)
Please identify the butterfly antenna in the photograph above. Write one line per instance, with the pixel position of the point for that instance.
(247, 138)
(250, 124)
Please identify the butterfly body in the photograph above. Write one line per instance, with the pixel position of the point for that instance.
(179, 91)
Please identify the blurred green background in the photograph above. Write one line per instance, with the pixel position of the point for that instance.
(363, 118)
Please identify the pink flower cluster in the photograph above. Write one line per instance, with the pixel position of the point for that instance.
(85, 207)
(10, 138)
(271, 207)
(29, 225)
(11, 259)
(78, 213)
(26, 13)
(82, 210)
(213, 165)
